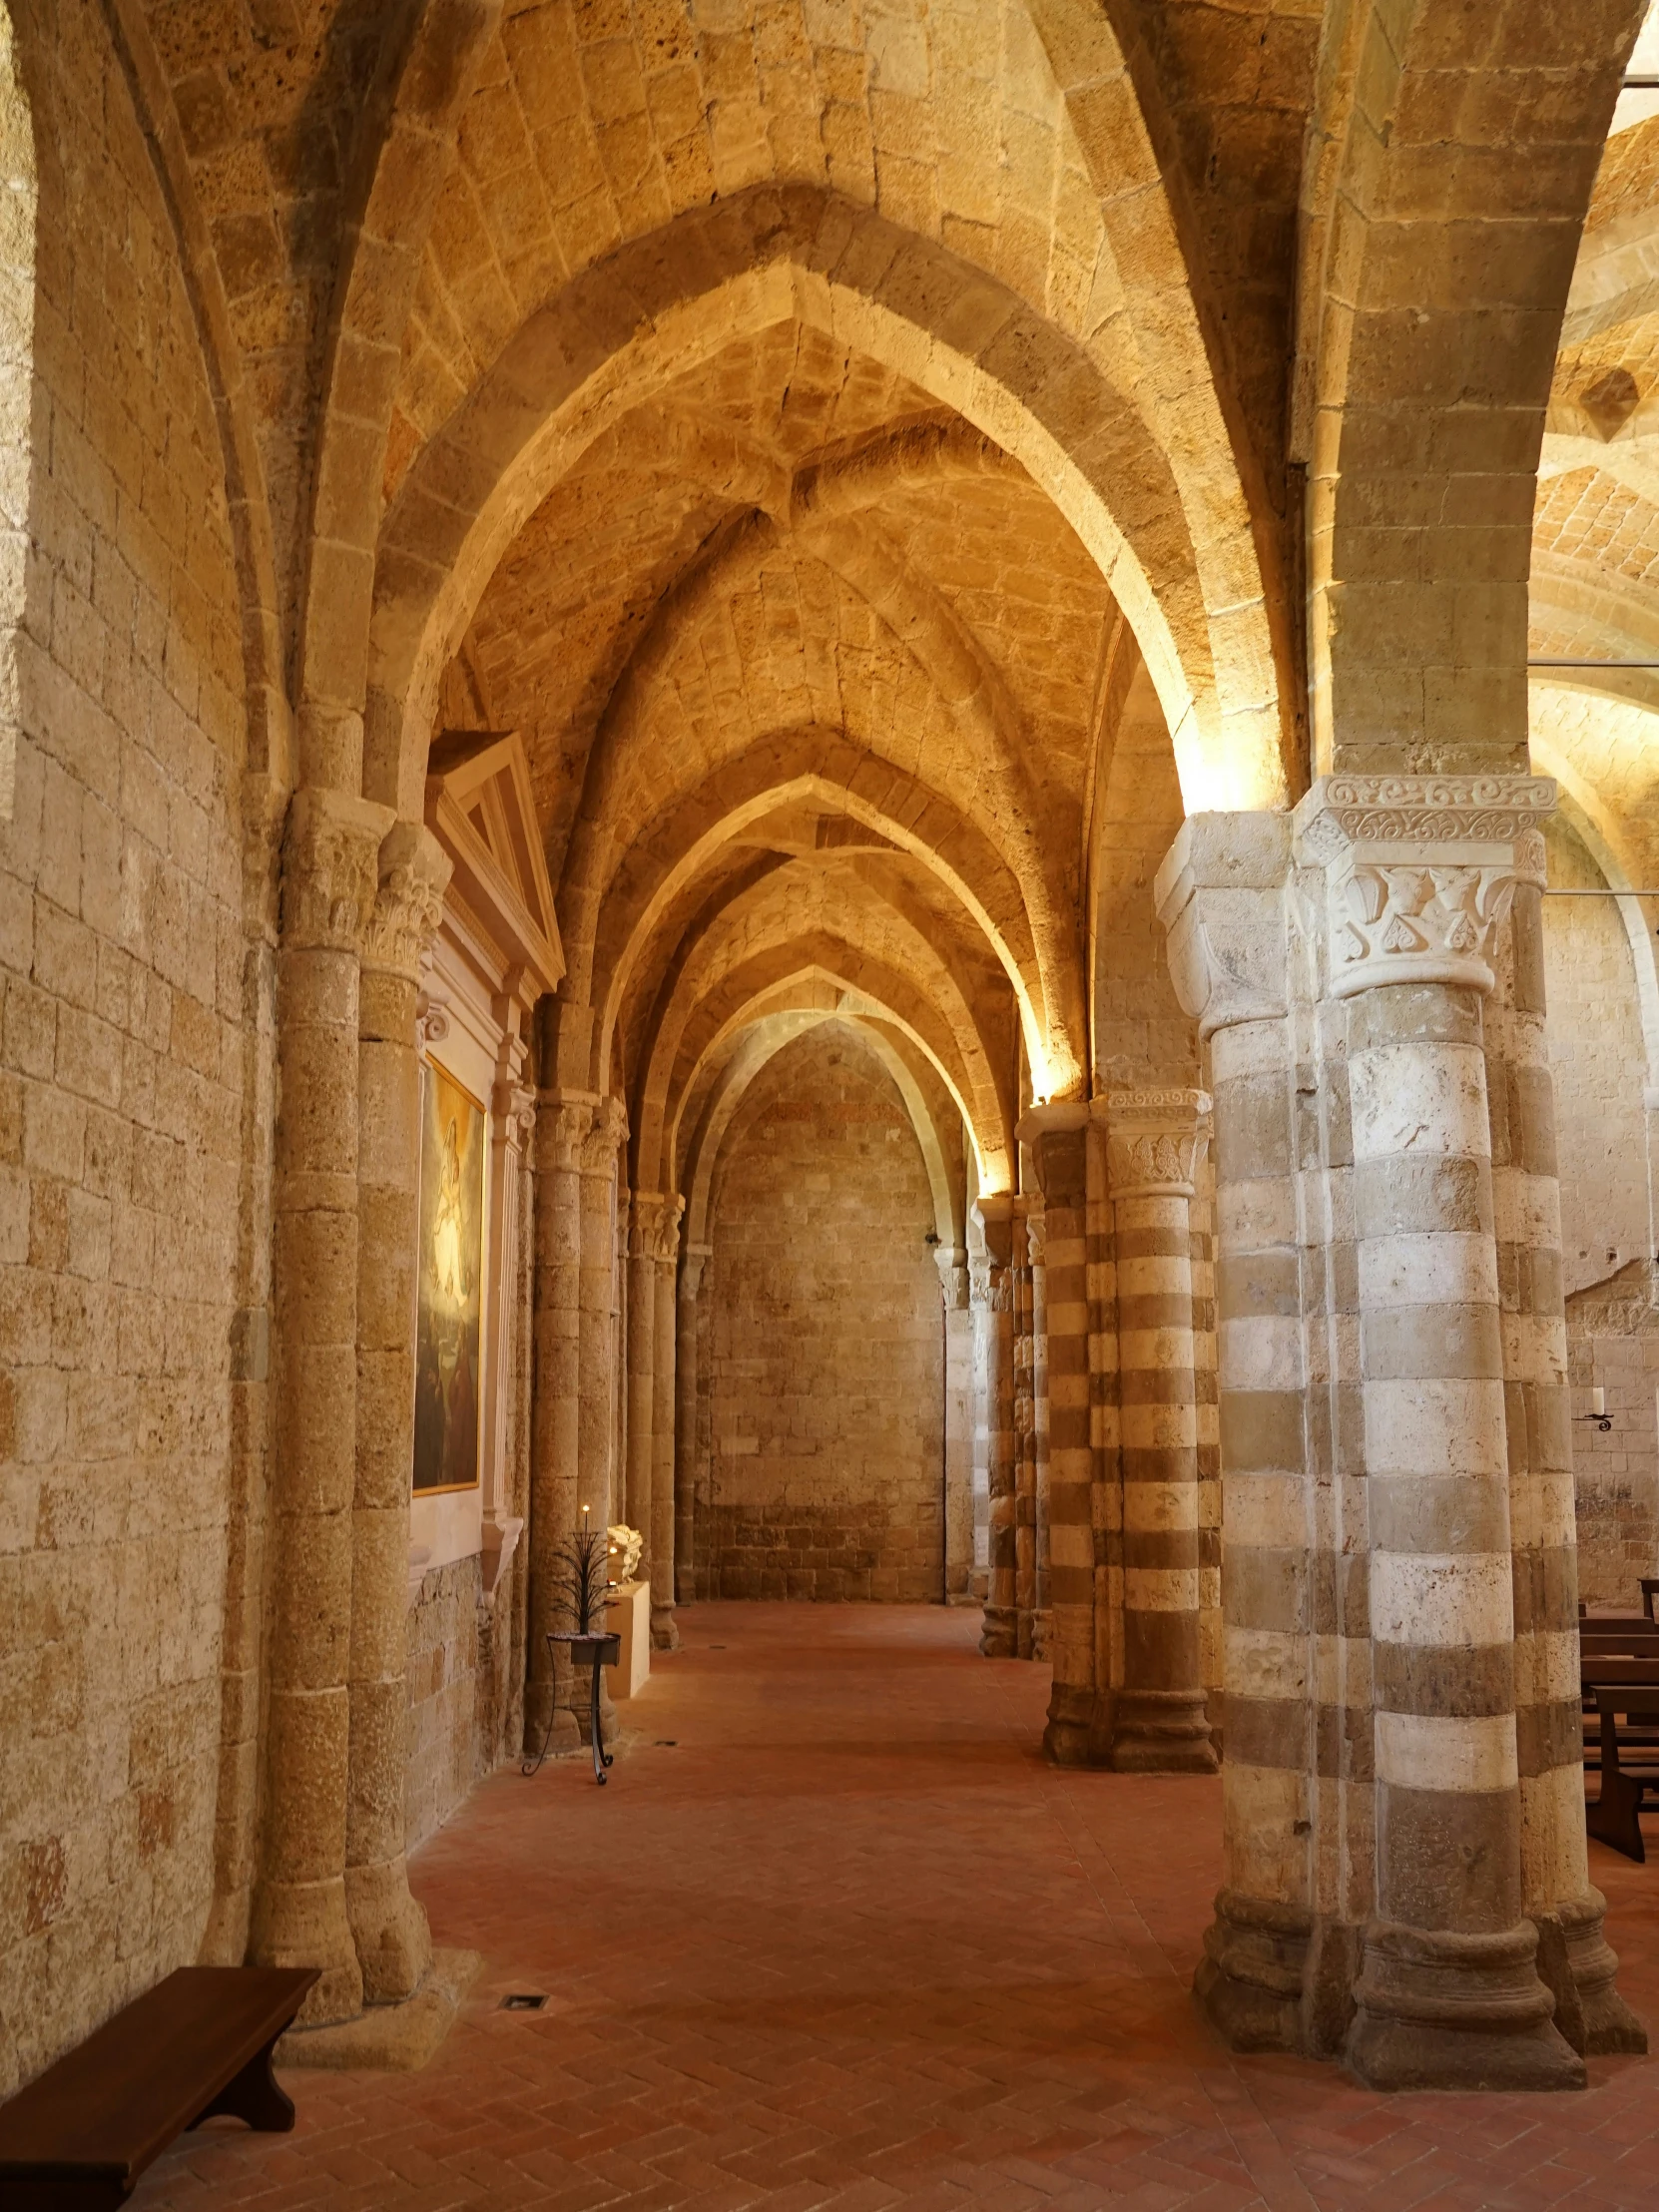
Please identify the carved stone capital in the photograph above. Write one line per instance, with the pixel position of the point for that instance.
(1219, 895)
(414, 874)
(951, 1261)
(609, 1131)
(1155, 1140)
(330, 870)
(562, 1119)
(655, 1226)
(431, 1019)
(1036, 1237)
(1420, 871)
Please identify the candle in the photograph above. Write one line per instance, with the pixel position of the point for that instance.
(1599, 1402)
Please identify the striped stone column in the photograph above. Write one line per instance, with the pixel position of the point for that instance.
(393, 1943)
(1418, 875)
(994, 1313)
(1221, 897)
(1574, 1958)
(331, 873)
(1058, 1139)
(1106, 1514)
(665, 1635)
(1153, 1141)
(562, 1120)
(1025, 1428)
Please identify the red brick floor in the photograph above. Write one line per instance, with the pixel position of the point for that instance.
(847, 1942)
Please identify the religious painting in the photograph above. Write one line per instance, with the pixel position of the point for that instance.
(449, 1298)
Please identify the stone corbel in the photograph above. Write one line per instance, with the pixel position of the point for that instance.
(952, 1264)
(500, 1541)
(431, 1019)
(1155, 1140)
(995, 1216)
(1420, 871)
(1219, 895)
(330, 870)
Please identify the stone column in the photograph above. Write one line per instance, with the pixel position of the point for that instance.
(562, 1121)
(1418, 875)
(685, 1423)
(1574, 1958)
(1153, 1142)
(665, 1636)
(645, 1216)
(958, 1505)
(1057, 1135)
(596, 1386)
(394, 1944)
(1026, 1429)
(994, 1311)
(330, 876)
(1221, 896)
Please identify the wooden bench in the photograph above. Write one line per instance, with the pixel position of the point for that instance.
(1629, 1765)
(197, 2043)
(1636, 1668)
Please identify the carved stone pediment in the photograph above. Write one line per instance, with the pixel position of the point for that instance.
(480, 808)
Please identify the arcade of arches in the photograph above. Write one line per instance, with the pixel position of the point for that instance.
(795, 770)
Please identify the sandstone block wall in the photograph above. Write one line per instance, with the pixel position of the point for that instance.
(825, 1349)
(1599, 1060)
(449, 1698)
(122, 1036)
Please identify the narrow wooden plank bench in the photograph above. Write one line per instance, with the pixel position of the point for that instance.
(1637, 1666)
(197, 2043)
(1629, 1766)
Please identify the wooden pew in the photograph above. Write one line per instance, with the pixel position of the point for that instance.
(197, 2043)
(1629, 1764)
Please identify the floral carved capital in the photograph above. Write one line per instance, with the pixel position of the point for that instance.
(1419, 872)
(561, 1124)
(1155, 1140)
(329, 870)
(600, 1145)
(414, 874)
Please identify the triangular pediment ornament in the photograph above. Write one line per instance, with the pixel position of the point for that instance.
(482, 811)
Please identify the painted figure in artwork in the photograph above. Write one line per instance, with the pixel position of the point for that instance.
(447, 1320)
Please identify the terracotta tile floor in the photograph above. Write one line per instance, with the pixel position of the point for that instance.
(847, 1942)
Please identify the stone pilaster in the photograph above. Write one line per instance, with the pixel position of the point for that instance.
(562, 1121)
(1154, 1139)
(330, 876)
(1057, 1135)
(1418, 875)
(995, 1318)
(691, 1270)
(394, 1944)
(958, 1534)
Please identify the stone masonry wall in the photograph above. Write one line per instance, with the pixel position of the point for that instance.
(447, 1697)
(826, 1341)
(120, 1090)
(1600, 1067)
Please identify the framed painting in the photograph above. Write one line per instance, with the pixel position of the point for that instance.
(449, 1285)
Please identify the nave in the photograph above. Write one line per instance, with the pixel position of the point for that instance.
(847, 1943)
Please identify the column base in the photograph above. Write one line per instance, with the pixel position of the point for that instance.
(1250, 1981)
(1161, 1732)
(395, 1944)
(1068, 1739)
(305, 1924)
(664, 1631)
(564, 1735)
(1577, 1964)
(1441, 2012)
(391, 2039)
(997, 1637)
(1042, 1634)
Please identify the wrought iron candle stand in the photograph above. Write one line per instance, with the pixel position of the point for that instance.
(583, 1585)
